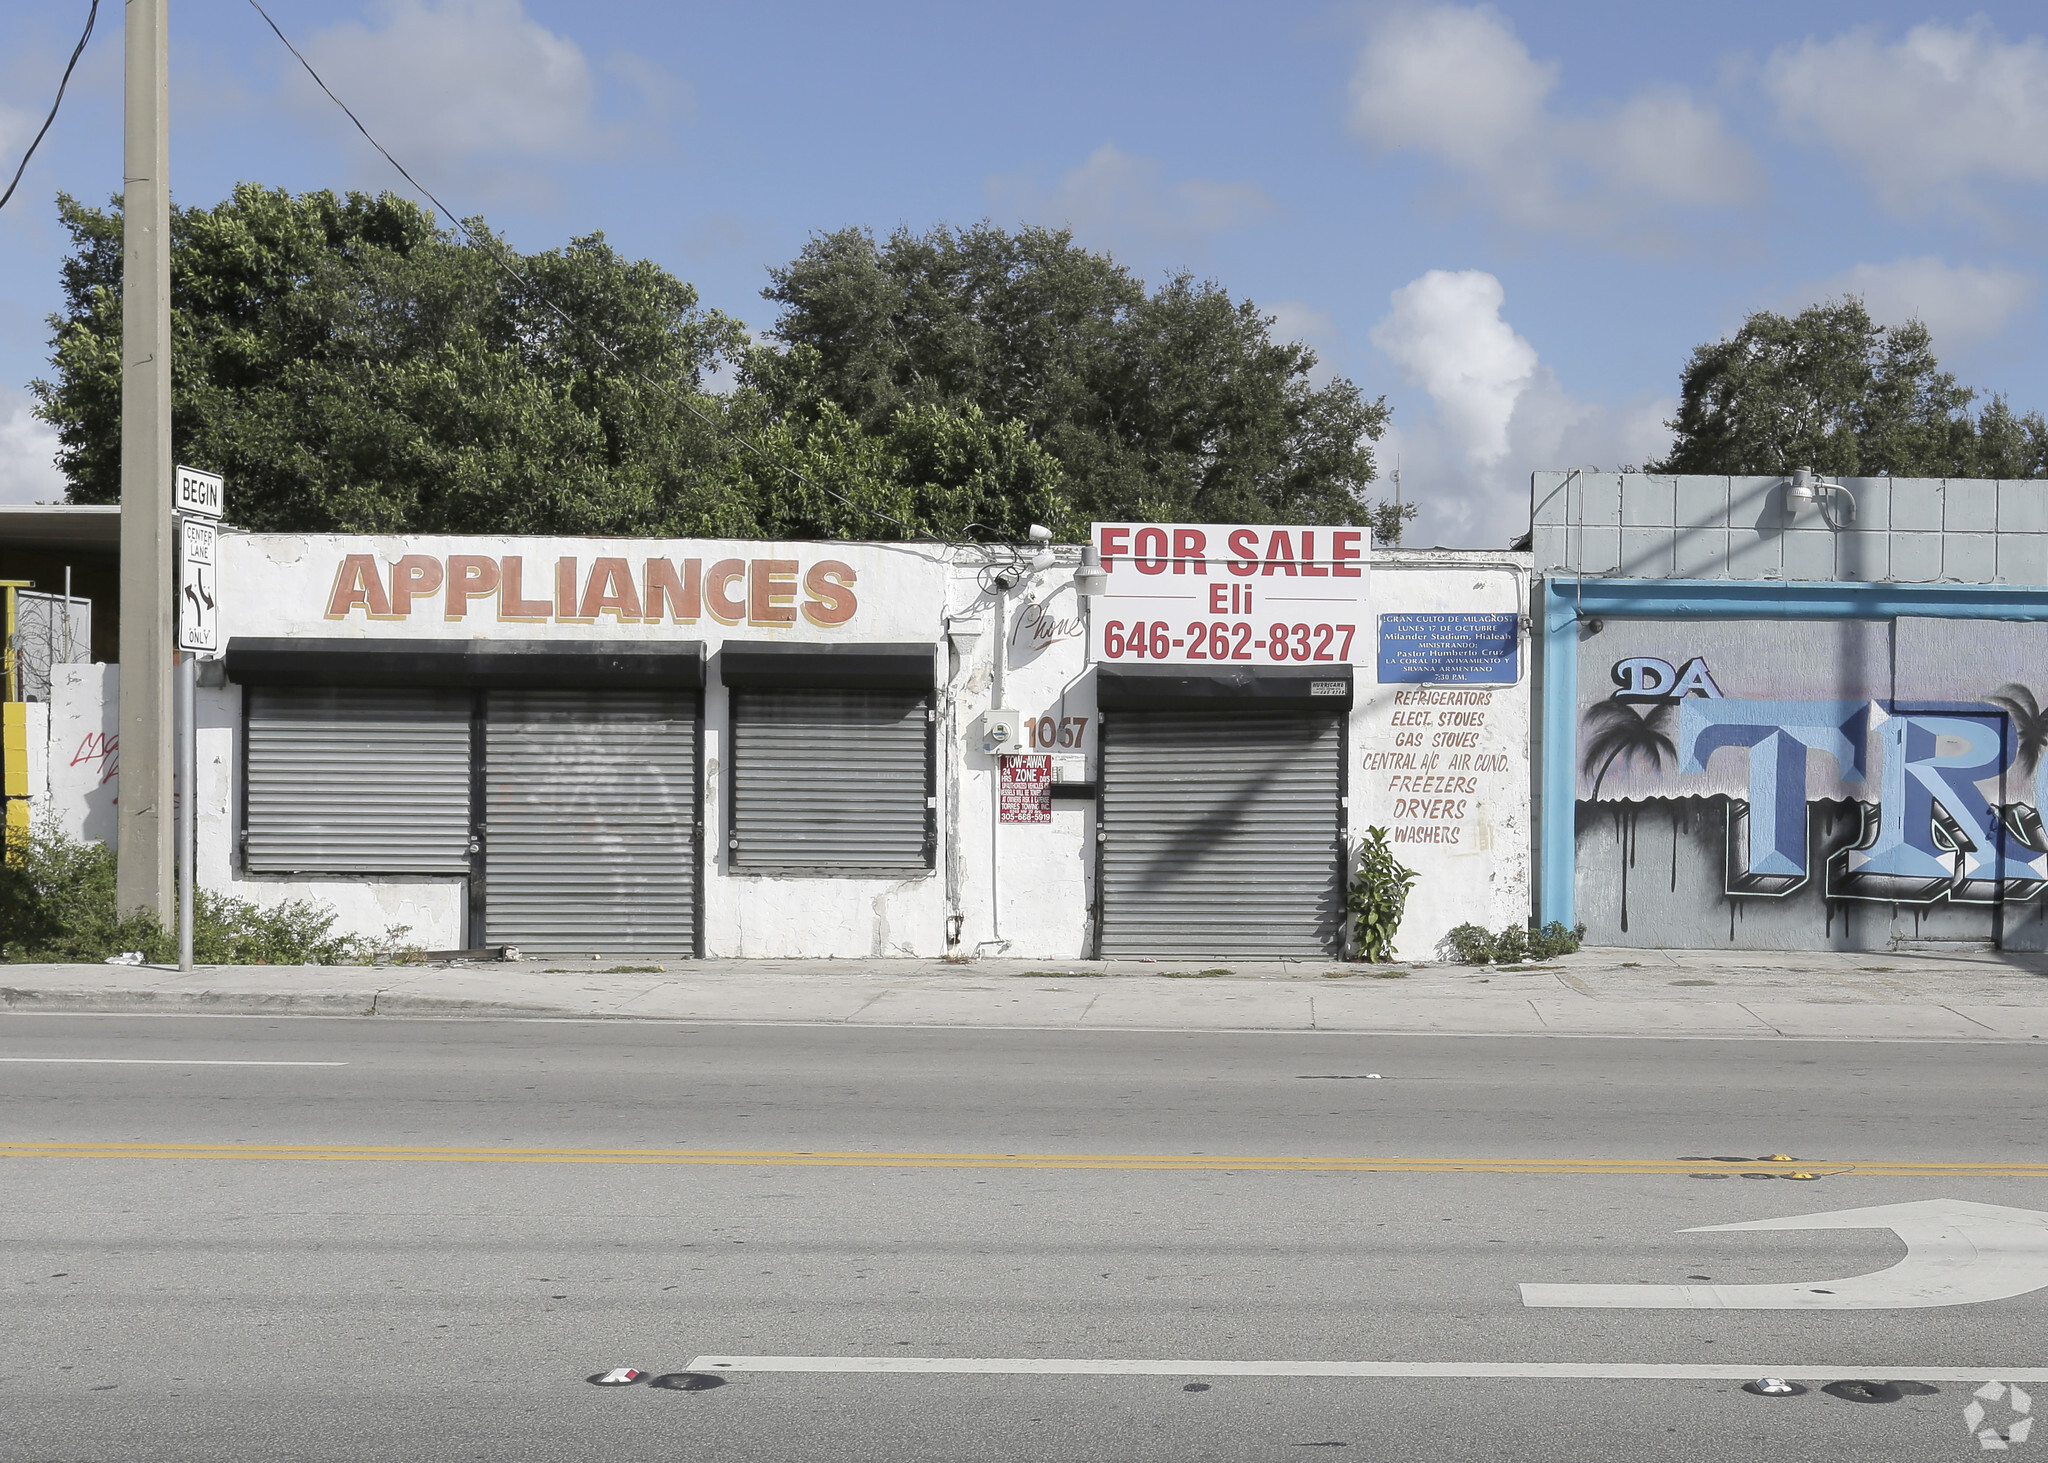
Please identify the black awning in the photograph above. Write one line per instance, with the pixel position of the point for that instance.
(851, 667)
(560, 663)
(1242, 687)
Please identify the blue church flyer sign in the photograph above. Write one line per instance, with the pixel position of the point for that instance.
(1449, 649)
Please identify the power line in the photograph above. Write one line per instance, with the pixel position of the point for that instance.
(489, 246)
(70, 66)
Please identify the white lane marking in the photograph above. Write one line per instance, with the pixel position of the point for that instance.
(1034, 1366)
(1957, 1253)
(160, 1062)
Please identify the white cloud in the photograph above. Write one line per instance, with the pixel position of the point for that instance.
(1958, 303)
(27, 446)
(1124, 201)
(1457, 84)
(1498, 413)
(1663, 144)
(1926, 116)
(1450, 81)
(1447, 336)
(449, 81)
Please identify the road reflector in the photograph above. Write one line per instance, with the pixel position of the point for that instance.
(618, 1376)
(1773, 1387)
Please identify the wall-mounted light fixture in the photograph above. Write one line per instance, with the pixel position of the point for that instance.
(1044, 558)
(1807, 489)
(1091, 578)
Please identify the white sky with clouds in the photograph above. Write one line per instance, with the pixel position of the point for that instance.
(1514, 221)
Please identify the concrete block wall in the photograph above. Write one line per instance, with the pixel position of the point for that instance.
(1904, 530)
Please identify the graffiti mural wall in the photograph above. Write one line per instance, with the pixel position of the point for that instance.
(1835, 784)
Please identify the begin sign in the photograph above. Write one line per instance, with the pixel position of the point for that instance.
(1195, 593)
(197, 494)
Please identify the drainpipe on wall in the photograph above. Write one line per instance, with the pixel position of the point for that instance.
(995, 787)
(963, 634)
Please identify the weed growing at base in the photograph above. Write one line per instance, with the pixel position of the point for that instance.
(57, 906)
(1476, 945)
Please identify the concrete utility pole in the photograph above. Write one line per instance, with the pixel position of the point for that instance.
(145, 749)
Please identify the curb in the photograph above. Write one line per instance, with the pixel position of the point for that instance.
(226, 1003)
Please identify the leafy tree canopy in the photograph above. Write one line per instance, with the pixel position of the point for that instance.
(1832, 390)
(351, 366)
(1175, 403)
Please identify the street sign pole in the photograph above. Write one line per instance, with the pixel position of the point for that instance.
(188, 788)
(198, 496)
(143, 878)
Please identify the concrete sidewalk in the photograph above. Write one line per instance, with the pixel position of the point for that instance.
(1613, 992)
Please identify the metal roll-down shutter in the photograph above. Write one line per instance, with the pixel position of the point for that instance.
(356, 781)
(1222, 833)
(590, 842)
(831, 781)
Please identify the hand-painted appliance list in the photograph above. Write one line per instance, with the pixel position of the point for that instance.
(1207, 593)
(1436, 774)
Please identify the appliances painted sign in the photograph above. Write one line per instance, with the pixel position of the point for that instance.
(574, 590)
(1198, 593)
(577, 589)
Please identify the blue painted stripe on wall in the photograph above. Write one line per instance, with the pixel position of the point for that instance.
(1558, 838)
(1565, 601)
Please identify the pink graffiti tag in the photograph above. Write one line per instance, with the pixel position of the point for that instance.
(103, 748)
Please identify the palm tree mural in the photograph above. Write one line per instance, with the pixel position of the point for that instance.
(2030, 736)
(1616, 730)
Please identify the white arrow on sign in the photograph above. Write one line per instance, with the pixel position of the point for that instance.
(1957, 1253)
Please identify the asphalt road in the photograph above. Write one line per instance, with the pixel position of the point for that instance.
(435, 1250)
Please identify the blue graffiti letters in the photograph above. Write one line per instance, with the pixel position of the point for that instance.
(1778, 735)
(1935, 831)
(1646, 678)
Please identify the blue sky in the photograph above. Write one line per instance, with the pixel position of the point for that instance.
(1514, 221)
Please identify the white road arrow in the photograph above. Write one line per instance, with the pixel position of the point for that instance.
(1957, 1253)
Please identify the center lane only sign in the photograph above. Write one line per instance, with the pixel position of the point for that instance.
(1201, 593)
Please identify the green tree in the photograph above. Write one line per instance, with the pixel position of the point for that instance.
(1175, 403)
(932, 472)
(350, 366)
(1832, 390)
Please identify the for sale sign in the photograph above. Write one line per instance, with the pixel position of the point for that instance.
(1201, 593)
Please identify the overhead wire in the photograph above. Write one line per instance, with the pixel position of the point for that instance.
(488, 245)
(78, 50)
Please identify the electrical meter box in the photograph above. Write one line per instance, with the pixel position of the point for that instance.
(1002, 732)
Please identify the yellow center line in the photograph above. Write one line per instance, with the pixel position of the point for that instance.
(1129, 1162)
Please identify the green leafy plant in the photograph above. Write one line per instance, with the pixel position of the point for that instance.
(57, 905)
(1469, 944)
(1554, 940)
(1476, 945)
(1377, 898)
